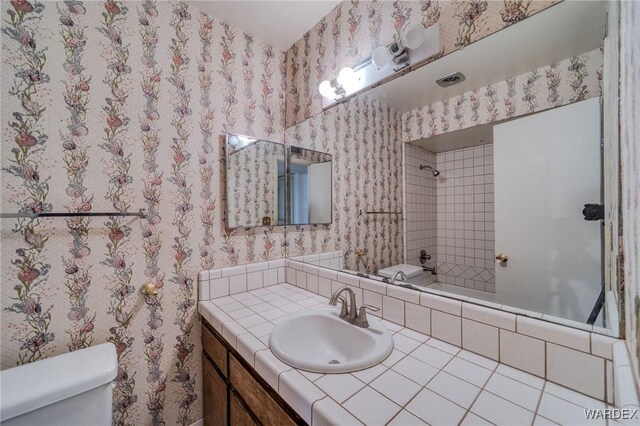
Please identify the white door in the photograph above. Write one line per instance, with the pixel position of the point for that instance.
(547, 166)
(320, 192)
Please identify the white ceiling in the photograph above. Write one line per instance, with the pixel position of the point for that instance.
(564, 30)
(277, 22)
(465, 138)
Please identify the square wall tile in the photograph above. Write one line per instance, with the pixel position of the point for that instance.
(237, 284)
(576, 370)
(480, 338)
(522, 352)
(417, 317)
(254, 280)
(393, 310)
(270, 277)
(219, 287)
(446, 327)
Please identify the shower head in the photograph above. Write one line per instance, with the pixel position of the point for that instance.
(434, 171)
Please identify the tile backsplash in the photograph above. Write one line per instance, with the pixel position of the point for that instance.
(517, 339)
(221, 282)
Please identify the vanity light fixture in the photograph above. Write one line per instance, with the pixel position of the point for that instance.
(240, 141)
(337, 88)
(398, 51)
(415, 47)
(331, 89)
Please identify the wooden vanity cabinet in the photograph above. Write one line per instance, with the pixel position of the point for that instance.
(233, 392)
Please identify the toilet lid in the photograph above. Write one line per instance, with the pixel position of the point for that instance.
(409, 270)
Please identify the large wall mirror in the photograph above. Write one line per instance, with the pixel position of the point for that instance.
(501, 189)
(268, 184)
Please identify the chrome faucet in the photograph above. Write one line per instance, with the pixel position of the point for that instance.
(402, 275)
(349, 311)
(430, 269)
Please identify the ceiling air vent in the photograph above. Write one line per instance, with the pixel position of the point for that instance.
(451, 79)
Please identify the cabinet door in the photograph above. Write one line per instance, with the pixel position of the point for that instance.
(239, 416)
(215, 403)
(256, 397)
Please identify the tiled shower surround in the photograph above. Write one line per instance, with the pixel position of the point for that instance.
(420, 207)
(464, 221)
(451, 216)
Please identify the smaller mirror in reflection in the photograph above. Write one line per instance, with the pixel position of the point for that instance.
(255, 182)
(310, 186)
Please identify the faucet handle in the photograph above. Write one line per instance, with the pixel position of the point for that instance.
(362, 321)
(369, 307)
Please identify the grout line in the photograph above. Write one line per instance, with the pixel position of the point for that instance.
(538, 404)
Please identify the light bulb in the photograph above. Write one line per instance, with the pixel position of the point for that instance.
(414, 36)
(326, 90)
(380, 57)
(346, 77)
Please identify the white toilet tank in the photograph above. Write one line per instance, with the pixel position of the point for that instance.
(70, 389)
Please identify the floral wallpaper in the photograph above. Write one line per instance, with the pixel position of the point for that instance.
(252, 181)
(363, 137)
(570, 80)
(347, 35)
(117, 106)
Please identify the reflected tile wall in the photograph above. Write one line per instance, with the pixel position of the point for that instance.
(420, 206)
(465, 218)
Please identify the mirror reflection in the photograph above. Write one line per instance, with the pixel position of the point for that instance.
(492, 189)
(309, 177)
(255, 181)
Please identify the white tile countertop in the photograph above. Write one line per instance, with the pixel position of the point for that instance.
(423, 381)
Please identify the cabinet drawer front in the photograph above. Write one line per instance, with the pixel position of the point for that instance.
(239, 416)
(263, 406)
(215, 349)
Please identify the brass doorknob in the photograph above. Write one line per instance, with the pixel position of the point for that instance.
(149, 290)
(502, 258)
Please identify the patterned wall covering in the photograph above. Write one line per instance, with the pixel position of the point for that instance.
(363, 136)
(252, 179)
(113, 106)
(571, 80)
(348, 34)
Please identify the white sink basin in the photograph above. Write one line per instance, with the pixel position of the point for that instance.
(320, 342)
